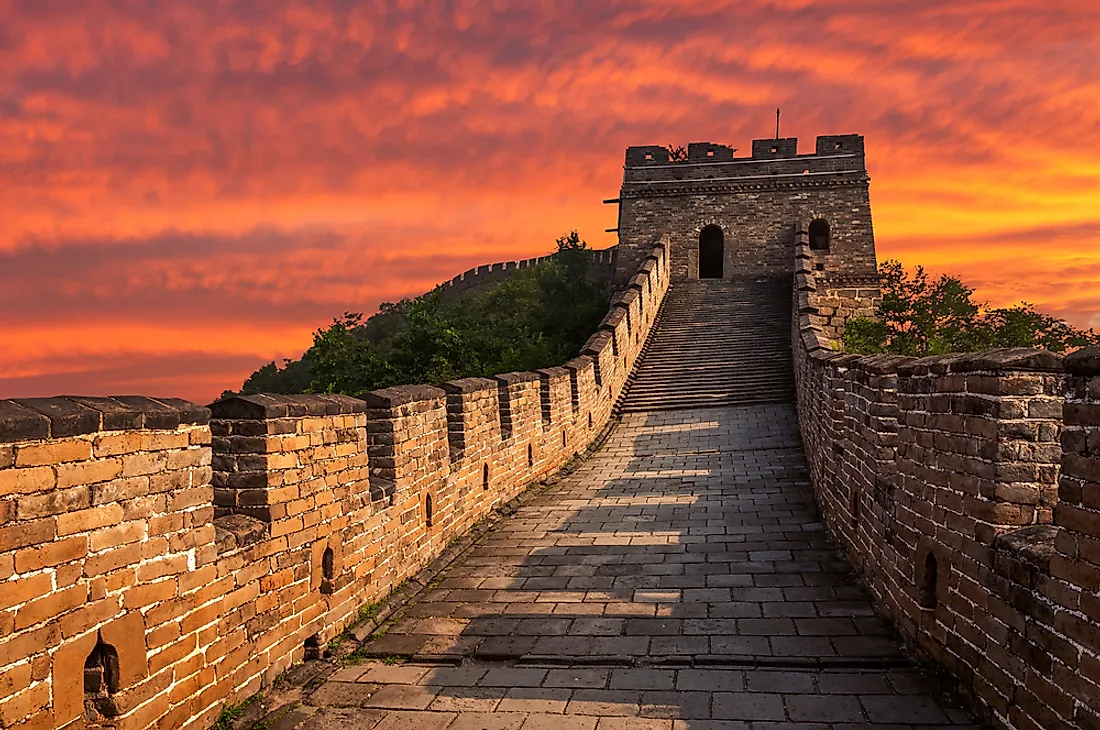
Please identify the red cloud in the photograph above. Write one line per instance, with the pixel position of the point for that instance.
(193, 170)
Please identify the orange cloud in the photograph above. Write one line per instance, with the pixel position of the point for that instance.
(189, 190)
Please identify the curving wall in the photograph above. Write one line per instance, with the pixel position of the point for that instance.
(601, 267)
(200, 552)
(965, 490)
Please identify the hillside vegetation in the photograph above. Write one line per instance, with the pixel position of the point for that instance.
(539, 317)
(919, 317)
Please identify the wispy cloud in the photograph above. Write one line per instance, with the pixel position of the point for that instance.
(198, 169)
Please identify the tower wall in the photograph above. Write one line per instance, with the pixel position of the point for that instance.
(757, 201)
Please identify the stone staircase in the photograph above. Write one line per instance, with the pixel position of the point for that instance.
(719, 342)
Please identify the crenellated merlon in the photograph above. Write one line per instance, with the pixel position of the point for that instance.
(835, 156)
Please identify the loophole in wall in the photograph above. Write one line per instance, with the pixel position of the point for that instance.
(930, 579)
(100, 683)
(530, 456)
(485, 477)
(313, 647)
(428, 510)
(328, 570)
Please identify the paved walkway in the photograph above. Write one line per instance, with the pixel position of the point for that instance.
(678, 579)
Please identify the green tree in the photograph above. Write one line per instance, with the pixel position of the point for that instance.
(919, 316)
(292, 377)
(342, 361)
(536, 318)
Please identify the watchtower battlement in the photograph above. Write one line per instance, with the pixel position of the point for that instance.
(835, 147)
(732, 217)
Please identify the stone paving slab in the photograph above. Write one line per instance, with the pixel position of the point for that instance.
(680, 578)
(696, 698)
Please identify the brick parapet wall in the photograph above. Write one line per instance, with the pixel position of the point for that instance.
(105, 534)
(213, 550)
(601, 268)
(961, 489)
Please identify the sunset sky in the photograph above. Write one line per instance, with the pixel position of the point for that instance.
(189, 189)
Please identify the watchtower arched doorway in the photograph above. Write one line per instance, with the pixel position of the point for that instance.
(711, 252)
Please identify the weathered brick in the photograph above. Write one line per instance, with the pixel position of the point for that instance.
(148, 593)
(53, 452)
(51, 554)
(119, 490)
(89, 519)
(110, 560)
(56, 502)
(50, 606)
(164, 440)
(143, 464)
(21, 534)
(116, 443)
(95, 612)
(88, 472)
(25, 589)
(26, 481)
(25, 703)
(123, 534)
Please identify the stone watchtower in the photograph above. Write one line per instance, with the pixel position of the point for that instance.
(732, 217)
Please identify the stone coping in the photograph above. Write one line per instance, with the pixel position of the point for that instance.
(469, 385)
(273, 405)
(402, 395)
(1019, 358)
(25, 419)
(1033, 545)
(577, 364)
(237, 531)
(523, 376)
(1085, 361)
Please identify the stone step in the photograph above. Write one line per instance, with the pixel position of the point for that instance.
(718, 343)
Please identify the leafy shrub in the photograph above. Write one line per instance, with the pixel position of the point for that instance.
(919, 316)
(538, 317)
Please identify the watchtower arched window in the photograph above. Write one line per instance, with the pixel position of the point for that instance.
(711, 252)
(819, 235)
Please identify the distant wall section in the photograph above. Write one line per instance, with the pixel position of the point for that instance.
(601, 268)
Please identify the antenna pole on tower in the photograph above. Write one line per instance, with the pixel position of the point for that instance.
(777, 122)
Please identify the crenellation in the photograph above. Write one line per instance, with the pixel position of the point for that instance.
(601, 268)
(709, 152)
(212, 548)
(840, 144)
(555, 397)
(110, 539)
(775, 149)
